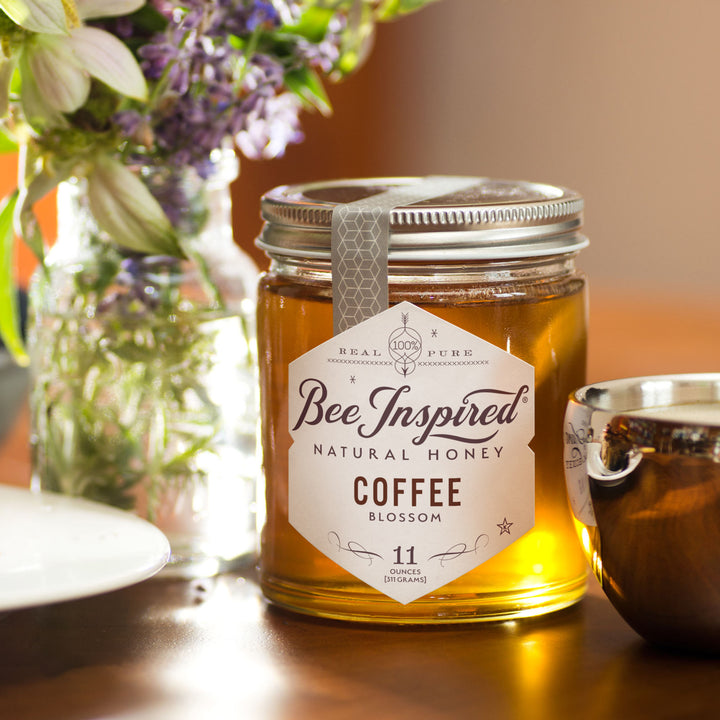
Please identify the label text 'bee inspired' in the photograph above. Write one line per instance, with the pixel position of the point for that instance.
(481, 408)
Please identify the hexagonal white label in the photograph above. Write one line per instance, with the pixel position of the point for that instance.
(410, 463)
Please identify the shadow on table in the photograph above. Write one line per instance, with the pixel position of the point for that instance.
(173, 650)
(102, 656)
(584, 661)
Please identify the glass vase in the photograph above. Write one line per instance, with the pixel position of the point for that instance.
(145, 372)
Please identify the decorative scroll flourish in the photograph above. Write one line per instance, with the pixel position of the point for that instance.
(353, 547)
(459, 550)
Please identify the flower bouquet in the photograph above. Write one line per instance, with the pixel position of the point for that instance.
(142, 316)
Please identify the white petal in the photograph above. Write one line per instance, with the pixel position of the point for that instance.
(35, 108)
(40, 16)
(109, 60)
(124, 207)
(107, 8)
(60, 77)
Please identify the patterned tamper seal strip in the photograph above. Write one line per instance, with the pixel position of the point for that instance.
(360, 244)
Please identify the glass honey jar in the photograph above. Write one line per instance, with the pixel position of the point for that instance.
(418, 339)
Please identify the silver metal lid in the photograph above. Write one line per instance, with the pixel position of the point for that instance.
(487, 219)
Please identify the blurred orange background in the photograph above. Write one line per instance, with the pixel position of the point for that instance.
(45, 211)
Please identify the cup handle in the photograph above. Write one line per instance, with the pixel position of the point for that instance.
(597, 470)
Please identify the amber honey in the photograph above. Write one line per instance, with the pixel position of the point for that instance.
(532, 308)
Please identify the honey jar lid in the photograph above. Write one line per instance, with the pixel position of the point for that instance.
(430, 219)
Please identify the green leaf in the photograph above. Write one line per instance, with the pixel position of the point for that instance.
(149, 19)
(313, 24)
(393, 8)
(306, 84)
(7, 141)
(9, 315)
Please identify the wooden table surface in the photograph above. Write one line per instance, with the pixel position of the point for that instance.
(213, 649)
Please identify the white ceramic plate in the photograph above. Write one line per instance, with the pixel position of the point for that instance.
(56, 548)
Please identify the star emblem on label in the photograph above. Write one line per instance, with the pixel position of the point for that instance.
(505, 526)
(400, 477)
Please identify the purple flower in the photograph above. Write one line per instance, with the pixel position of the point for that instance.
(156, 57)
(139, 285)
(270, 127)
(219, 74)
(262, 13)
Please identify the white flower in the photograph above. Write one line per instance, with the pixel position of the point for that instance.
(92, 9)
(39, 16)
(62, 65)
(62, 57)
(123, 206)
